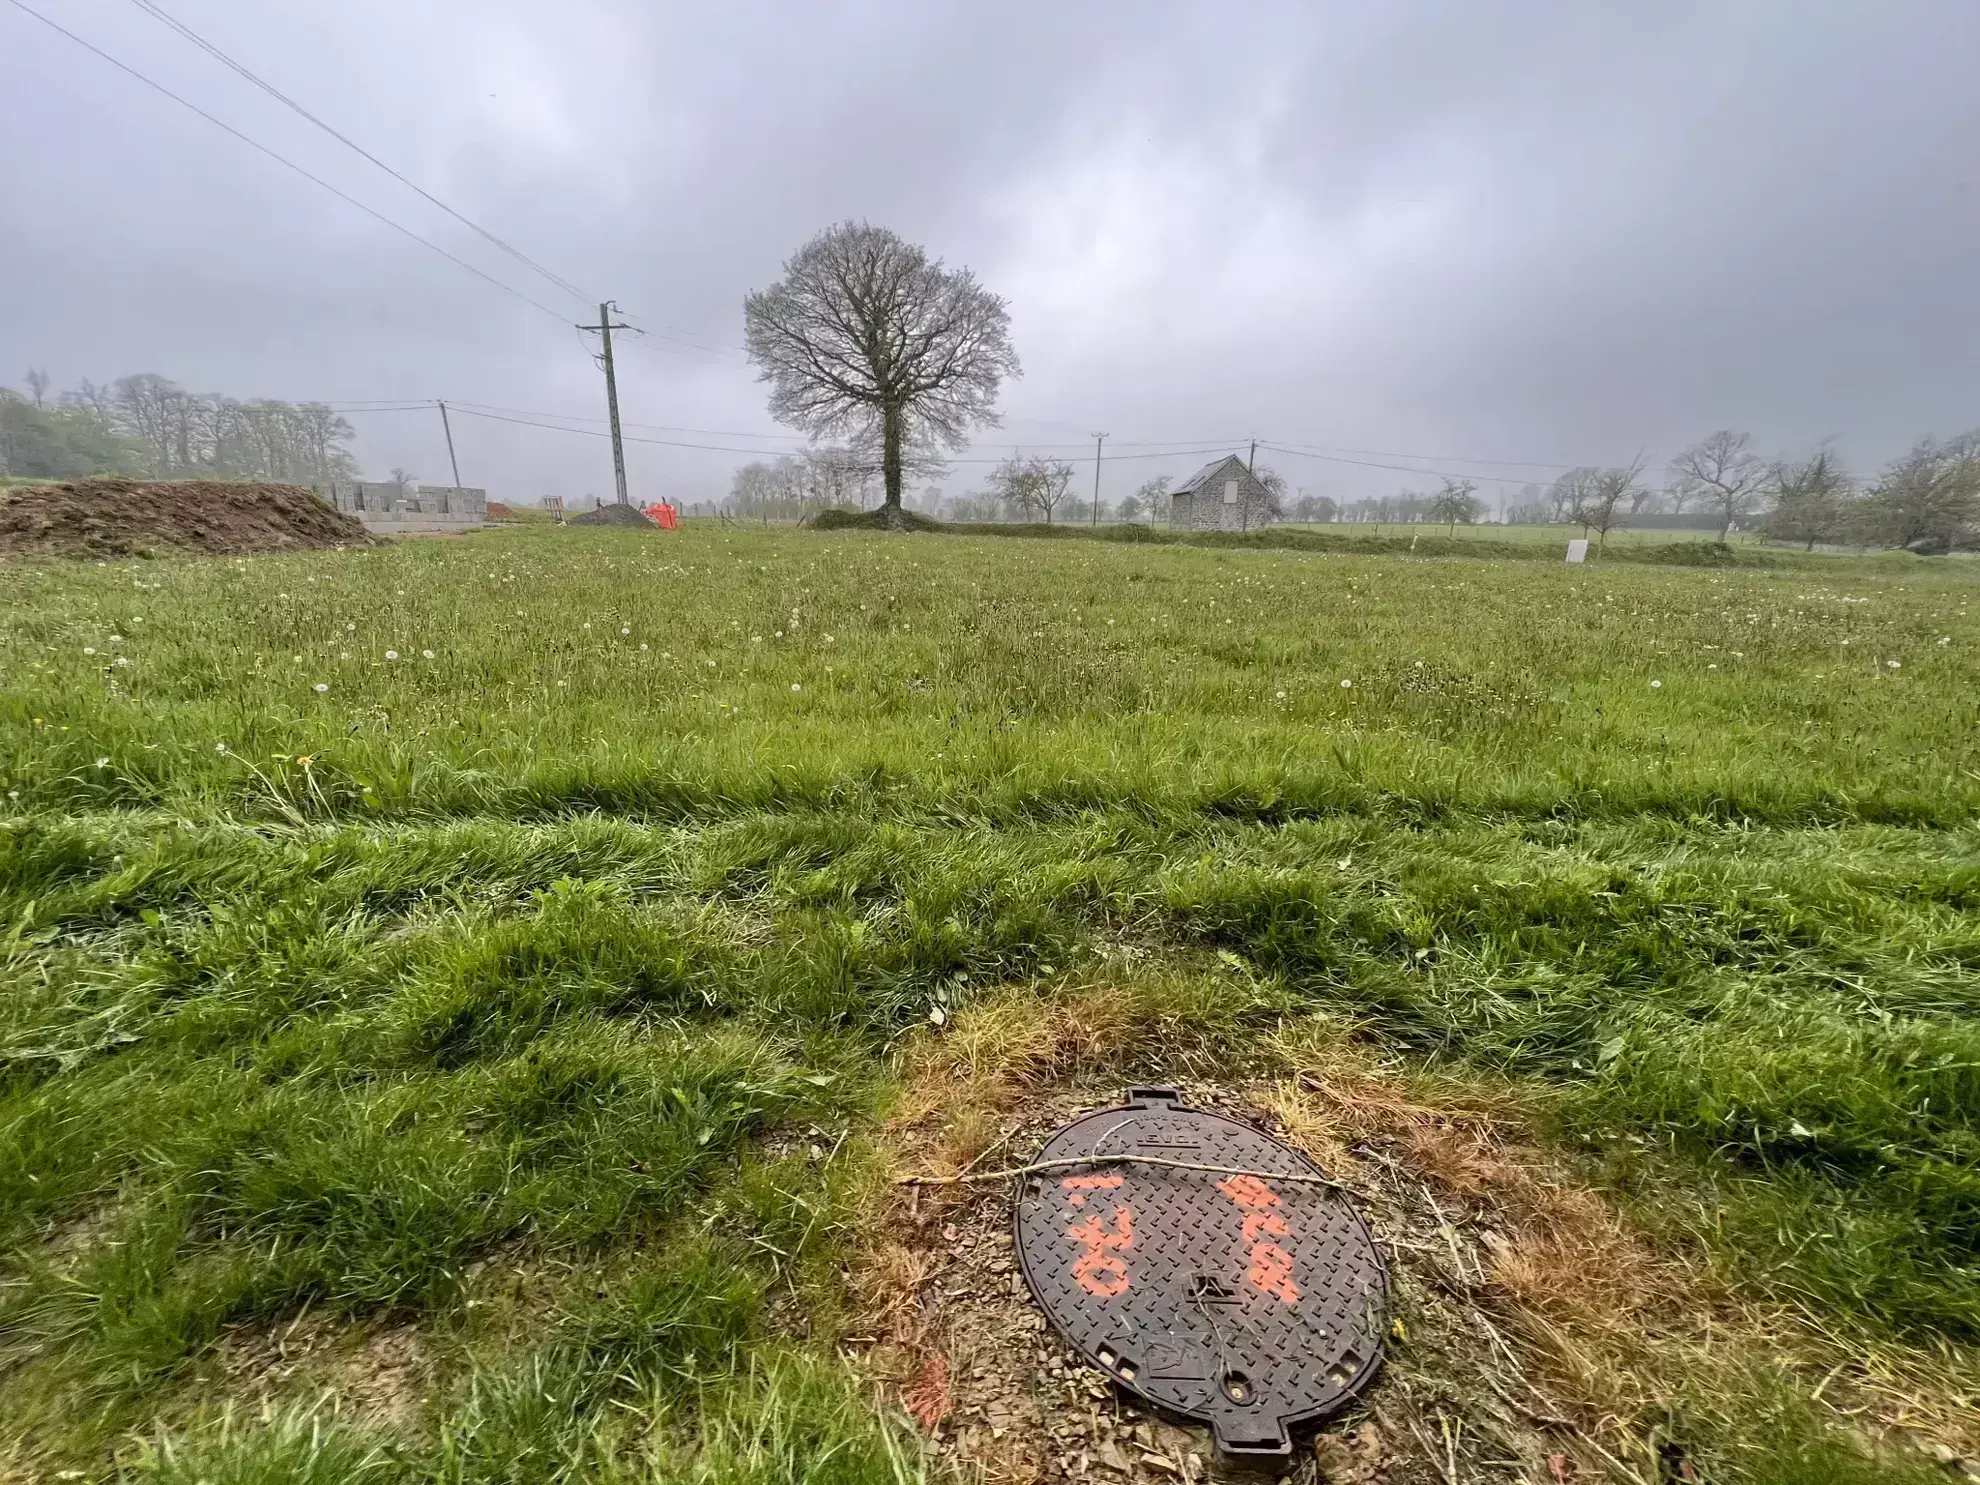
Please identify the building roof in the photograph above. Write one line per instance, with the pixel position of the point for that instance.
(1204, 476)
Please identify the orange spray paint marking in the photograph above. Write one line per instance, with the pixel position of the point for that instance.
(1271, 1266)
(1102, 1267)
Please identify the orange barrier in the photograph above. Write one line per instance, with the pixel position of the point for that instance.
(663, 515)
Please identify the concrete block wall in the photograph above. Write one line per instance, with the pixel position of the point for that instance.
(383, 505)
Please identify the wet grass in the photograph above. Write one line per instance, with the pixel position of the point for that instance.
(543, 993)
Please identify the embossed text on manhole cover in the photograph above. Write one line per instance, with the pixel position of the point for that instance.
(1234, 1296)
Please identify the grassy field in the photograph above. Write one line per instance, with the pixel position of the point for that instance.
(514, 965)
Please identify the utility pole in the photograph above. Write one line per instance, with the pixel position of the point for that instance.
(1252, 457)
(1098, 439)
(448, 429)
(605, 327)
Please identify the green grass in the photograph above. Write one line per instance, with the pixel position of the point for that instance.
(558, 951)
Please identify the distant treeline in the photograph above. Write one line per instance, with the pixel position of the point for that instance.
(151, 426)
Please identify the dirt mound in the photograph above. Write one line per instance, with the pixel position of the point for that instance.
(614, 515)
(113, 516)
(872, 520)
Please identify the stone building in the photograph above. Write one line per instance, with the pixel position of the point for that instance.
(1221, 496)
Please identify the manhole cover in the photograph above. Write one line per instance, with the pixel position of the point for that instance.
(1249, 1303)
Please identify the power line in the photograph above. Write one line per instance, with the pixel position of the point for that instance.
(1497, 479)
(671, 443)
(158, 13)
(1324, 451)
(159, 87)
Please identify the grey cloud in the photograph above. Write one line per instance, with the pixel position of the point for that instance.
(1515, 232)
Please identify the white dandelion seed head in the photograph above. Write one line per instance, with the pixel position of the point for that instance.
(116, 639)
(1656, 685)
(351, 627)
(391, 654)
(587, 623)
(829, 640)
(320, 687)
(103, 763)
(796, 687)
(1894, 664)
(1281, 695)
(427, 653)
(89, 649)
(1347, 685)
(219, 747)
(642, 647)
(625, 629)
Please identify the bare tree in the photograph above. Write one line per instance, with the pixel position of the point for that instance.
(38, 381)
(1811, 499)
(1455, 503)
(1602, 501)
(1151, 497)
(1033, 484)
(864, 336)
(1722, 473)
(1570, 492)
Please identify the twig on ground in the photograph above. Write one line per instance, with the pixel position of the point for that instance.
(1042, 1166)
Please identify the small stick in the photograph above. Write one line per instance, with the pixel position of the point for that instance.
(1076, 1161)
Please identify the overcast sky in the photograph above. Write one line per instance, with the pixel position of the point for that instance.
(1488, 232)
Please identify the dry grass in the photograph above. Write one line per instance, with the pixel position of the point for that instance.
(1582, 1333)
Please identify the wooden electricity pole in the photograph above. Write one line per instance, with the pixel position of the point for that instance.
(1098, 439)
(605, 327)
(448, 428)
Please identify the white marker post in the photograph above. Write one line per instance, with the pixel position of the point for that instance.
(1578, 550)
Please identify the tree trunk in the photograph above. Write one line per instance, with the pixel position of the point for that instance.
(890, 467)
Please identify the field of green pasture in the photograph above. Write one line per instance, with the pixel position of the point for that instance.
(513, 946)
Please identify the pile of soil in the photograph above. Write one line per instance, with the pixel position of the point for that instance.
(614, 515)
(873, 520)
(114, 516)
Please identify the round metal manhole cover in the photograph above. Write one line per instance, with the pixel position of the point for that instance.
(1249, 1303)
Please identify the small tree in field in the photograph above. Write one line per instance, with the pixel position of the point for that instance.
(1811, 499)
(1723, 474)
(1929, 498)
(1034, 484)
(1454, 503)
(1602, 500)
(865, 336)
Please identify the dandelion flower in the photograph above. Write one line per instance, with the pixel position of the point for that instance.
(123, 660)
(587, 623)
(1656, 685)
(1281, 695)
(320, 687)
(625, 629)
(829, 640)
(1347, 685)
(351, 627)
(103, 763)
(1947, 640)
(116, 639)
(391, 654)
(427, 653)
(219, 747)
(89, 649)
(796, 687)
(1894, 664)
(1711, 667)
(642, 647)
